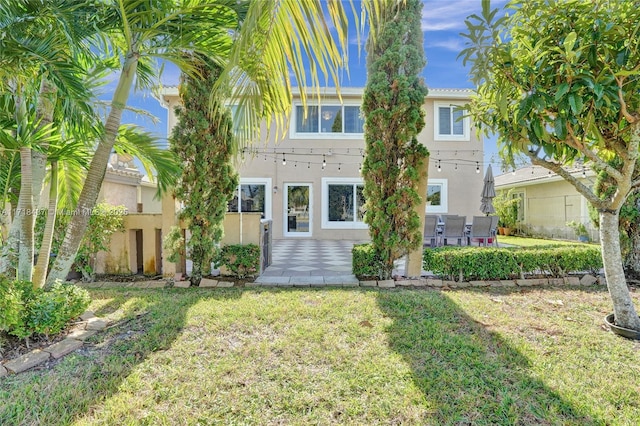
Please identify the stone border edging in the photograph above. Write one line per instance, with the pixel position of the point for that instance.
(89, 326)
(586, 280)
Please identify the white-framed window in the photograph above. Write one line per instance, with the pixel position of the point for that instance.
(343, 203)
(322, 121)
(520, 196)
(437, 199)
(450, 122)
(253, 195)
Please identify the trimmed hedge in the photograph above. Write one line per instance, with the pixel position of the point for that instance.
(472, 263)
(364, 263)
(241, 260)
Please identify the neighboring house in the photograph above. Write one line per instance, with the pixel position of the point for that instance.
(309, 182)
(547, 201)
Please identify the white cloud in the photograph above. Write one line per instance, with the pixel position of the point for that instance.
(453, 44)
(448, 15)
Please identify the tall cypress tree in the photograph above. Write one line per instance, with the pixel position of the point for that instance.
(202, 139)
(392, 107)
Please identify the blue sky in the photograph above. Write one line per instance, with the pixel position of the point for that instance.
(442, 21)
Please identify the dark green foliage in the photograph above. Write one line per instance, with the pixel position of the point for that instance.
(392, 106)
(11, 304)
(629, 224)
(364, 263)
(241, 260)
(25, 311)
(202, 140)
(471, 263)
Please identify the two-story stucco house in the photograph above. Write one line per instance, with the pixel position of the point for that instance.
(309, 183)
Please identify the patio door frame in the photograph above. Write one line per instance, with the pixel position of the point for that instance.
(285, 210)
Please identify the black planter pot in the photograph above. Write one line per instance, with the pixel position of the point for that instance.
(621, 331)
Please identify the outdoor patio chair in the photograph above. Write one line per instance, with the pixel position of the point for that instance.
(454, 227)
(431, 232)
(494, 229)
(480, 230)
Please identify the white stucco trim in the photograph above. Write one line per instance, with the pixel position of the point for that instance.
(466, 123)
(444, 197)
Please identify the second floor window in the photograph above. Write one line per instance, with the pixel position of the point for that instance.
(451, 123)
(340, 119)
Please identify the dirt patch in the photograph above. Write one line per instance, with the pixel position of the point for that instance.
(128, 278)
(12, 347)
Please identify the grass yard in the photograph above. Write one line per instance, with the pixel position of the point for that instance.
(532, 242)
(339, 356)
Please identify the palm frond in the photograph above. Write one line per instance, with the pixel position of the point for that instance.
(159, 163)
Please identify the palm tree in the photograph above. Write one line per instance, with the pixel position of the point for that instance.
(74, 158)
(258, 40)
(39, 59)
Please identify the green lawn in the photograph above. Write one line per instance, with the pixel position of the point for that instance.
(531, 242)
(339, 356)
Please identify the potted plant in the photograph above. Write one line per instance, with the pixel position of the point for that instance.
(580, 229)
(506, 208)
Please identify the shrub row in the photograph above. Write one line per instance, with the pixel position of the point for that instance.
(25, 311)
(364, 262)
(472, 263)
(240, 260)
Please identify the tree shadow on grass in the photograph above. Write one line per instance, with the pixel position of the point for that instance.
(149, 321)
(471, 375)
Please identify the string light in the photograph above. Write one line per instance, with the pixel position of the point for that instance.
(324, 162)
(439, 166)
(477, 167)
(360, 168)
(309, 165)
(284, 160)
(456, 168)
(584, 171)
(513, 172)
(339, 166)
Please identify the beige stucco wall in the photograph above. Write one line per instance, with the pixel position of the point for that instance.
(241, 228)
(150, 204)
(344, 156)
(121, 258)
(119, 194)
(550, 205)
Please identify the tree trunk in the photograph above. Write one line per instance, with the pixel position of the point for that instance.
(95, 175)
(623, 307)
(24, 217)
(44, 113)
(37, 169)
(40, 270)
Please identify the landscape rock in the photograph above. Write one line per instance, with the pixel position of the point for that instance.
(386, 283)
(60, 349)
(96, 324)
(369, 283)
(572, 280)
(87, 315)
(82, 334)
(556, 281)
(588, 280)
(208, 282)
(434, 282)
(26, 361)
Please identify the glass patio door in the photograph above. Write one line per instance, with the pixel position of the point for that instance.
(297, 210)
